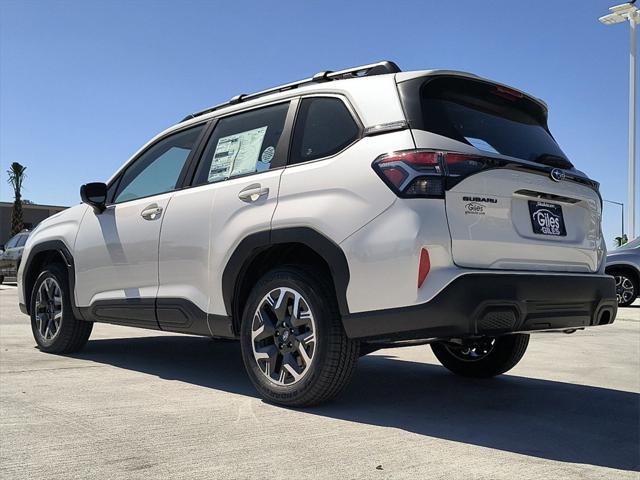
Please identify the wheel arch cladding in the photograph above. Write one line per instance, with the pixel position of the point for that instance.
(42, 254)
(258, 245)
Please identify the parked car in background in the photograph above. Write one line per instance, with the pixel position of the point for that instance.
(623, 264)
(11, 255)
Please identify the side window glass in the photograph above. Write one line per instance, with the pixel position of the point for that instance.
(22, 240)
(324, 127)
(243, 144)
(158, 169)
(13, 241)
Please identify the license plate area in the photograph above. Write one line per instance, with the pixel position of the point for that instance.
(547, 219)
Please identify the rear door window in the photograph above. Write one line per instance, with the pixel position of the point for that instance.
(324, 127)
(243, 144)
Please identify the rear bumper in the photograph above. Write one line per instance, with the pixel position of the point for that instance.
(495, 304)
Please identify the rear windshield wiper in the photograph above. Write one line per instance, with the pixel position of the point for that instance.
(553, 160)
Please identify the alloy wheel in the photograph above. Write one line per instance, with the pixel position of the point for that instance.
(472, 352)
(283, 336)
(48, 309)
(624, 289)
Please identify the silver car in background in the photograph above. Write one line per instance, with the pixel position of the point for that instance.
(624, 264)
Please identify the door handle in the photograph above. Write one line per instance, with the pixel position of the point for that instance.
(151, 212)
(253, 192)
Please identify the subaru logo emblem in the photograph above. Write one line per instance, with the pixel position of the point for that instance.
(557, 175)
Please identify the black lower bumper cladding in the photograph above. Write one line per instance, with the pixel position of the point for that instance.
(477, 304)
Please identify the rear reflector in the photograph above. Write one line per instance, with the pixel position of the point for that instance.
(423, 267)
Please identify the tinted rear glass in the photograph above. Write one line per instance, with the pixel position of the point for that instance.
(489, 117)
(323, 128)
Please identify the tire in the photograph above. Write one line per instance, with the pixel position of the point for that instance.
(502, 354)
(1, 279)
(69, 334)
(329, 358)
(626, 287)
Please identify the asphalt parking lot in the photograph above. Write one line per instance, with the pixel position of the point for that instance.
(143, 404)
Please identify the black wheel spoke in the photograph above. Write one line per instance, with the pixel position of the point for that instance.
(269, 357)
(42, 323)
(290, 365)
(283, 305)
(300, 317)
(265, 325)
(307, 337)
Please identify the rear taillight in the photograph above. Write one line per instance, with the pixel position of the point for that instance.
(425, 173)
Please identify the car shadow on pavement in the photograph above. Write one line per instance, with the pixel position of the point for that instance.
(540, 418)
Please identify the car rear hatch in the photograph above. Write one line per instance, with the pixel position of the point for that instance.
(513, 199)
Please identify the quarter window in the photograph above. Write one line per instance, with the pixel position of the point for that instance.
(243, 144)
(323, 128)
(158, 169)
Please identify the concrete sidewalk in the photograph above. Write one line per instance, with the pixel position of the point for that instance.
(143, 404)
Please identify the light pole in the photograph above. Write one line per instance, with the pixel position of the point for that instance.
(621, 13)
(622, 216)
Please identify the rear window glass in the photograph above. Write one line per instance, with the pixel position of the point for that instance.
(491, 118)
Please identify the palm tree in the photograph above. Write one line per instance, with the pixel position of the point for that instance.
(16, 177)
(621, 240)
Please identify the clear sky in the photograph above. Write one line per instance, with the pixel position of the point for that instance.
(83, 84)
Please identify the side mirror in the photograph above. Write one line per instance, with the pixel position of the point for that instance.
(94, 194)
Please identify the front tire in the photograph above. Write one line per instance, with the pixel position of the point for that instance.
(54, 327)
(484, 358)
(294, 347)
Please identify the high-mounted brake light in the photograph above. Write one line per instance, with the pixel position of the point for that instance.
(425, 173)
(508, 93)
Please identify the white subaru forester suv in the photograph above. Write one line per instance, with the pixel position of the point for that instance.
(327, 218)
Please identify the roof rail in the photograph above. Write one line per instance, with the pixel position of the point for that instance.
(369, 70)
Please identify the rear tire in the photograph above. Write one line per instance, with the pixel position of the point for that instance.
(496, 356)
(54, 327)
(1, 279)
(293, 344)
